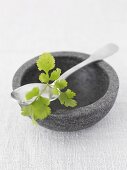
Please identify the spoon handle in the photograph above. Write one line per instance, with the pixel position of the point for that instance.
(100, 54)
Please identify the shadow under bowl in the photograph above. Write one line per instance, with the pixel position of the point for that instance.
(96, 86)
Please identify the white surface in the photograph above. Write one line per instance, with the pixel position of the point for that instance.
(30, 27)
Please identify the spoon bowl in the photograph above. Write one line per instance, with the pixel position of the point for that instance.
(19, 93)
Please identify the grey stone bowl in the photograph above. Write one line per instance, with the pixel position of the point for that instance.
(96, 86)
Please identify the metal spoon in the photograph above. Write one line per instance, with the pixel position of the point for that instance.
(19, 93)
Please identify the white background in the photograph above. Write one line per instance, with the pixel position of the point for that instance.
(30, 27)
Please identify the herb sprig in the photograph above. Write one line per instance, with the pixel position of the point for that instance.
(40, 107)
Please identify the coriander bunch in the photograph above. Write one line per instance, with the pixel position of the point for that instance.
(40, 107)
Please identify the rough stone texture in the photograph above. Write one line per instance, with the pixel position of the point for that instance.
(96, 86)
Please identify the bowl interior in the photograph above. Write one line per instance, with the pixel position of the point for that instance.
(90, 83)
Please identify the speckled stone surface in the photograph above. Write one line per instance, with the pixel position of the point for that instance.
(96, 86)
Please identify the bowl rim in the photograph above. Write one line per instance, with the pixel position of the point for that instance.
(102, 102)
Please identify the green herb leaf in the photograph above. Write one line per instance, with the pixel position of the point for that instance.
(55, 91)
(66, 98)
(61, 84)
(27, 110)
(34, 92)
(70, 94)
(44, 78)
(46, 62)
(55, 74)
(39, 109)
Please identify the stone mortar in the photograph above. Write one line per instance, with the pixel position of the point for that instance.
(96, 86)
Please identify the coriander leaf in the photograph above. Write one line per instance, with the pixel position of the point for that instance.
(62, 97)
(70, 94)
(71, 103)
(34, 92)
(44, 100)
(46, 62)
(44, 78)
(26, 110)
(40, 108)
(61, 84)
(67, 100)
(55, 91)
(55, 74)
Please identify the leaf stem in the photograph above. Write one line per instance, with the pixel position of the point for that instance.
(43, 89)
